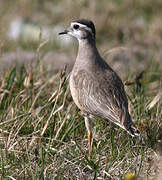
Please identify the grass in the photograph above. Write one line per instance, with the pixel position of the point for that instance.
(44, 137)
(42, 133)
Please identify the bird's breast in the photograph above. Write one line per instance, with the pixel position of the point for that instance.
(74, 92)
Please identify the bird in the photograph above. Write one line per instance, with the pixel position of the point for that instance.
(96, 88)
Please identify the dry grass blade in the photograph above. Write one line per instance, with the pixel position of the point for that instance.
(38, 94)
(62, 81)
(63, 122)
(136, 80)
(155, 100)
(42, 45)
(116, 49)
(11, 177)
(13, 119)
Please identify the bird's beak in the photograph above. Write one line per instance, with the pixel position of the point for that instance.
(64, 32)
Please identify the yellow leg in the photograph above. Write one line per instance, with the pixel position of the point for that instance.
(88, 124)
(90, 144)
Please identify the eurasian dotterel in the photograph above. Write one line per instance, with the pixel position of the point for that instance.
(96, 88)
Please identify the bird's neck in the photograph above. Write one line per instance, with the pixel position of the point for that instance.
(87, 52)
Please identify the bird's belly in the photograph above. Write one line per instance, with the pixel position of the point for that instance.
(74, 93)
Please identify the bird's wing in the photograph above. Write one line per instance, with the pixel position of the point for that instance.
(103, 97)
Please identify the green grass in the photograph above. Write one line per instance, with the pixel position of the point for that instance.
(44, 137)
(42, 134)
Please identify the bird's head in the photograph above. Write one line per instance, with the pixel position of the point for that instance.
(81, 29)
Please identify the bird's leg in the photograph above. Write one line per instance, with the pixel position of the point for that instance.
(88, 124)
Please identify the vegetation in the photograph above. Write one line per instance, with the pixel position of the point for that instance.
(42, 134)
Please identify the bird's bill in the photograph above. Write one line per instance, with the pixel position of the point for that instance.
(64, 32)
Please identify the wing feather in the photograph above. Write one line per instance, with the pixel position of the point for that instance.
(102, 97)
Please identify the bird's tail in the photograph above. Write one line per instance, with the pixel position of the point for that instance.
(133, 131)
(130, 126)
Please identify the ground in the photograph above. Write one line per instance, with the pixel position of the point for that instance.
(42, 133)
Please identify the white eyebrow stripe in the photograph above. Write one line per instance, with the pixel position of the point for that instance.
(82, 25)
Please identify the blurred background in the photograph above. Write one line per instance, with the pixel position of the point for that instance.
(129, 33)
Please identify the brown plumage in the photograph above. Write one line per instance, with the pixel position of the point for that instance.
(96, 89)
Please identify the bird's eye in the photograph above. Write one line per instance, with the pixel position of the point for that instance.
(76, 26)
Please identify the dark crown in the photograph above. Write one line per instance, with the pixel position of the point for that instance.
(88, 23)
